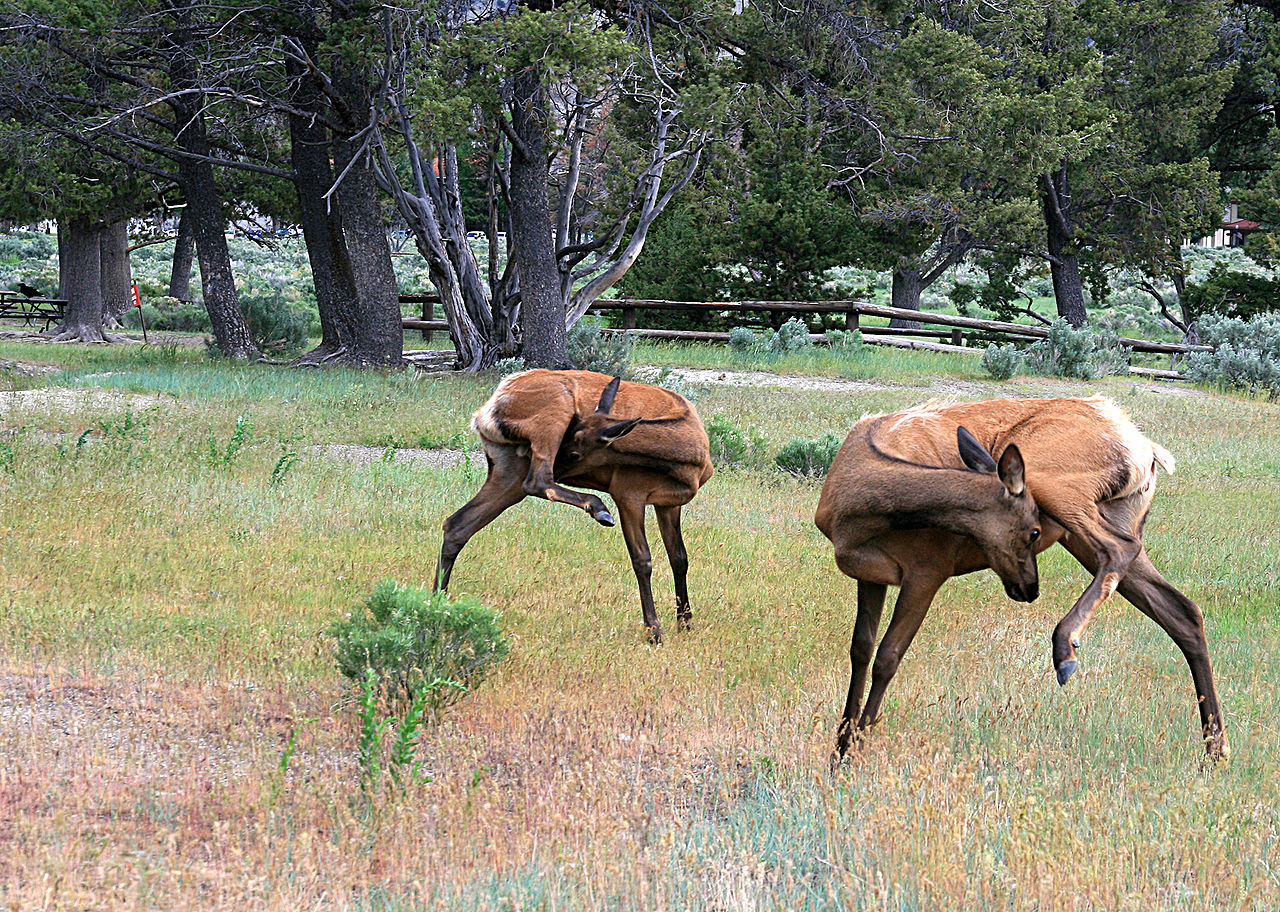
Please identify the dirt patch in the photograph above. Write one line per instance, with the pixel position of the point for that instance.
(69, 399)
(363, 455)
(960, 389)
(28, 368)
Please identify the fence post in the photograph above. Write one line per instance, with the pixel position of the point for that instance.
(628, 318)
(956, 337)
(851, 318)
(428, 313)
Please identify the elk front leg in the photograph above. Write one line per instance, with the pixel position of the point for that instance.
(908, 613)
(1182, 619)
(631, 514)
(1108, 558)
(861, 649)
(669, 526)
(501, 489)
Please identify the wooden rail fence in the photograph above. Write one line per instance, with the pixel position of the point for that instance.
(848, 312)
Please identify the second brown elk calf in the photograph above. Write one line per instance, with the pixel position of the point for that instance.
(641, 444)
(901, 510)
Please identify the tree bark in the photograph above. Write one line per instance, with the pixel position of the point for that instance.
(908, 285)
(1064, 261)
(542, 316)
(80, 265)
(117, 280)
(204, 207)
(64, 257)
(321, 224)
(378, 337)
(184, 248)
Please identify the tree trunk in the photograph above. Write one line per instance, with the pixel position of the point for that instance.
(184, 248)
(321, 225)
(378, 338)
(80, 265)
(204, 207)
(1064, 261)
(64, 257)
(908, 285)
(542, 315)
(117, 280)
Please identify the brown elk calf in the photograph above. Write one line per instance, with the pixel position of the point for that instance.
(545, 429)
(900, 514)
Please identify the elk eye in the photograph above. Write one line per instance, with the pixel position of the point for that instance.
(1035, 534)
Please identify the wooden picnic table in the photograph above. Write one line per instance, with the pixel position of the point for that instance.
(15, 304)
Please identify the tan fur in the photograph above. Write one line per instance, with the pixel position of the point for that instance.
(540, 432)
(1092, 474)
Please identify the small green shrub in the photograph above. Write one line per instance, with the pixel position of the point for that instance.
(743, 340)
(504, 366)
(273, 326)
(731, 445)
(413, 640)
(168, 314)
(590, 349)
(1076, 353)
(792, 336)
(1246, 355)
(1001, 361)
(849, 340)
(808, 458)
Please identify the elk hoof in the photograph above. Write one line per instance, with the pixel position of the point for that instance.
(1066, 670)
(603, 517)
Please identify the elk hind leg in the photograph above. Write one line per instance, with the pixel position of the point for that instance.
(870, 606)
(501, 489)
(678, 557)
(1182, 619)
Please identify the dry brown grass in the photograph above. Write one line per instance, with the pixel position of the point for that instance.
(162, 638)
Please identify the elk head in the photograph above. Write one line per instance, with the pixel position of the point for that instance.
(592, 435)
(1009, 528)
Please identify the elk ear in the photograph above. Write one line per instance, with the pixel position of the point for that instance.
(974, 454)
(612, 432)
(1012, 470)
(607, 397)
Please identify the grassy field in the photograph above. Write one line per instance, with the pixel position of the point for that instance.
(163, 641)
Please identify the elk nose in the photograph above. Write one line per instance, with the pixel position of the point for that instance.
(1023, 593)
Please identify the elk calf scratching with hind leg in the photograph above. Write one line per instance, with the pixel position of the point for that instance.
(543, 430)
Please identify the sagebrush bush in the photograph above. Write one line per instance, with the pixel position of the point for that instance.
(165, 313)
(731, 445)
(1080, 354)
(1246, 355)
(845, 339)
(590, 349)
(413, 640)
(504, 366)
(792, 336)
(1001, 361)
(742, 339)
(273, 325)
(27, 245)
(808, 458)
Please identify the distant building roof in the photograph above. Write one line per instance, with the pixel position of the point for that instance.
(1242, 225)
